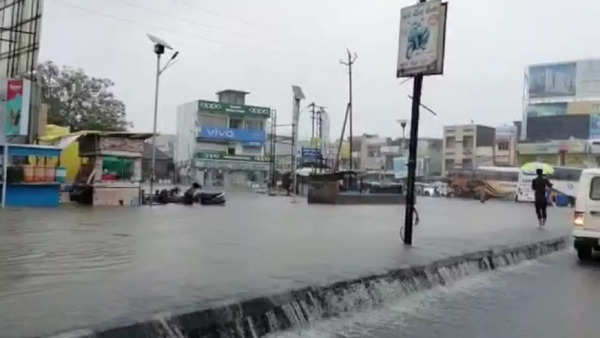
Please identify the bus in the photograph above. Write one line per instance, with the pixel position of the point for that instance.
(564, 181)
(497, 182)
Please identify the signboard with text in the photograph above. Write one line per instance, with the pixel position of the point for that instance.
(422, 39)
(224, 156)
(311, 155)
(14, 106)
(225, 108)
(248, 136)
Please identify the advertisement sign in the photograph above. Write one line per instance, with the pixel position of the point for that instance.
(311, 155)
(422, 38)
(595, 126)
(554, 80)
(15, 109)
(224, 156)
(225, 108)
(248, 136)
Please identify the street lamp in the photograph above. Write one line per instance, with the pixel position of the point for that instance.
(159, 48)
(403, 125)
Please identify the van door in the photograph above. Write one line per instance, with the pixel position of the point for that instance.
(592, 210)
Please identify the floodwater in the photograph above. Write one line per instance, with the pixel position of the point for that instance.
(554, 296)
(78, 267)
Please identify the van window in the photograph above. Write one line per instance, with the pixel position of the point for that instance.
(595, 189)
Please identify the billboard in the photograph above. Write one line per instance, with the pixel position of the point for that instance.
(553, 80)
(14, 106)
(248, 136)
(20, 36)
(311, 155)
(422, 39)
(225, 108)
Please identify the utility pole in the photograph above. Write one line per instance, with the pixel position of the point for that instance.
(412, 158)
(312, 118)
(351, 58)
(273, 145)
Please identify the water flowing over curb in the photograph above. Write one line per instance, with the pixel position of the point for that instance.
(298, 308)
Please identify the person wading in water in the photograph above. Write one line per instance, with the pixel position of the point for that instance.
(539, 185)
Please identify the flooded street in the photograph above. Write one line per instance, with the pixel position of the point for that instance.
(553, 296)
(79, 268)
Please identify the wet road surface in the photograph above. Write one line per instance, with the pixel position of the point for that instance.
(73, 267)
(554, 296)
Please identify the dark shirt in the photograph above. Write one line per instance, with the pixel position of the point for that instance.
(539, 185)
(188, 196)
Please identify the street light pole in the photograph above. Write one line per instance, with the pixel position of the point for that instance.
(159, 50)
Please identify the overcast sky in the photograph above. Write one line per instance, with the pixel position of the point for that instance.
(264, 46)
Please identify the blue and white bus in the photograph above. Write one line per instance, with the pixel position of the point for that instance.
(564, 180)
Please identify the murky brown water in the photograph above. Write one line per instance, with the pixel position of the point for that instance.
(75, 267)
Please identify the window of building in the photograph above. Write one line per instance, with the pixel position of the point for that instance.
(213, 120)
(450, 142)
(235, 123)
(468, 142)
(231, 151)
(254, 124)
(502, 145)
(467, 163)
(449, 164)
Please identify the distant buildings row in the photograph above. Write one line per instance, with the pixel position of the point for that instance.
(560, 126)
(227, 142)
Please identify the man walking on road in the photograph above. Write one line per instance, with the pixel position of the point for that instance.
(539, 185)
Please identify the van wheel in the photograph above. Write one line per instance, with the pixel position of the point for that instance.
(584, 252)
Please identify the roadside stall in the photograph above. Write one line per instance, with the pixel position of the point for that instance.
(30, 175)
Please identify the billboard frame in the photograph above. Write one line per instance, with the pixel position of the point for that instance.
(20, 28)
(437, 67)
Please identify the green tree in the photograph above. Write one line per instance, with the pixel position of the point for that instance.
(80, 101)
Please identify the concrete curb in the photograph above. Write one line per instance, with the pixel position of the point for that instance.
(297, 308)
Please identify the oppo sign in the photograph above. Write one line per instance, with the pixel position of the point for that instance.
(224, 108)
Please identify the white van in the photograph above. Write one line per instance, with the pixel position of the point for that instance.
(586, 219)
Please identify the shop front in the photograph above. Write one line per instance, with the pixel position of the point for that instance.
(31, 175)
(230, 172)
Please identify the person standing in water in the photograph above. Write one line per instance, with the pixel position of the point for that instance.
(538, 185)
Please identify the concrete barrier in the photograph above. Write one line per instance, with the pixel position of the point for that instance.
(298, 308)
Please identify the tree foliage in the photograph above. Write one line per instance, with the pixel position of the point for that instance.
(80, 101)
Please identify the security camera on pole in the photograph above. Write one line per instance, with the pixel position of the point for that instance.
(420, 52)
(159, 48)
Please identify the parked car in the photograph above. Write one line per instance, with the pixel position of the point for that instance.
(586, 218)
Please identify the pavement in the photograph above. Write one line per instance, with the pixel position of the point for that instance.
(553, 296)
(80, 267)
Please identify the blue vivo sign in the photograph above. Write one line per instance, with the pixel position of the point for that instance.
(228, 134)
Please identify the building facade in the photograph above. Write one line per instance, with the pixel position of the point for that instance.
(505, 146)
(221, 143)
(467, 147)
(561, 113)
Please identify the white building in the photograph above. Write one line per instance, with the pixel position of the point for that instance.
(467, 147)
(221, 143)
